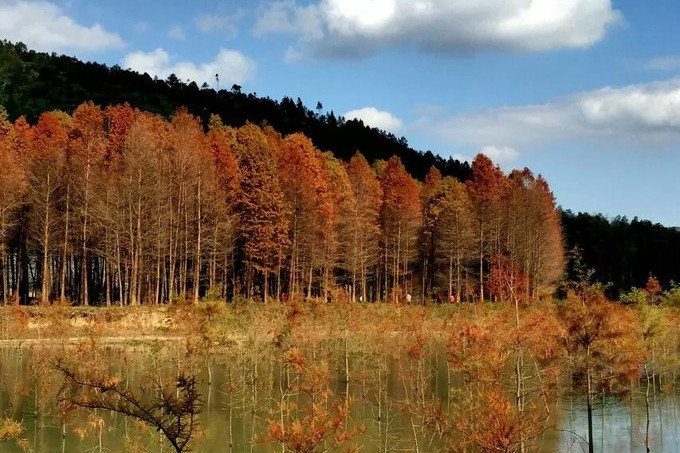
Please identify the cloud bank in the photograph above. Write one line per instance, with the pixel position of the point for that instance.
(356, 29)
(373, 117)
(646, 114)
(44, 26)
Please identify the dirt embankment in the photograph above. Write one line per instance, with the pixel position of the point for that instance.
(31, 325)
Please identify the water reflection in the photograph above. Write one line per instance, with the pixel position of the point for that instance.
(241, 394)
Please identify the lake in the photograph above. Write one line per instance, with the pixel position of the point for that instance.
(247, 389)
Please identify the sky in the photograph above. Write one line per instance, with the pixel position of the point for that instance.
(584, 92)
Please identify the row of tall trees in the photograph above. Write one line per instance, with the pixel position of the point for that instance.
(118, 205)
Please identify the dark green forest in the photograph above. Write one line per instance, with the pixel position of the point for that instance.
(622, 253)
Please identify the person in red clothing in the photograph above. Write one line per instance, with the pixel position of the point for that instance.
(452, 299)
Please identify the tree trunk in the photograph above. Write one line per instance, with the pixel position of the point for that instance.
(481, 262)
(45, 294)
(589, 402)
(64, 256)
(84, 271)
(197, 260)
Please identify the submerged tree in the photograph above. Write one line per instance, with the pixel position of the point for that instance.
(170, 408)
(603, 349)
(313, 425)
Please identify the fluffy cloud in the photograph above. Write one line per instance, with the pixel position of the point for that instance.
(231, 65)
(644, 113)
(355, 28)
(375, 118)
(501, 155)
(44, 26)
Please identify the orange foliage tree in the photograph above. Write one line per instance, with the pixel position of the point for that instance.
(450, 211)
(311, 212)
(364, 224)
(487, 188)
(46, 166)
(401, 220)
(261, 209)
(12, 186)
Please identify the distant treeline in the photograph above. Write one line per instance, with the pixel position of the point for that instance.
(622, 252)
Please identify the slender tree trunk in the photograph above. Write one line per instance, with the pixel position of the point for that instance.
(265, 289)
(107, 251)
(589, 402)
(84, 268)
(45, 294)
(395, 283)
(647, 409)
(64, 256)
(119, 271)
(519, 375)
(356, 255)
(213, 259)
(197, 261)
(311, 275)
(278, 276)
(458, 285)
(481, 263)
(4, 264)
(450, 273)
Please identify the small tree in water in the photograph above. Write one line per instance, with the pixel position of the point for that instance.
(170, 408)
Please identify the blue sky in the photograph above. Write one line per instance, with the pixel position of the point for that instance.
(585, 92)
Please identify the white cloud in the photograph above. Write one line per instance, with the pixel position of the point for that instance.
(504, 156)
(177, 33)
(375, 118)
(219, 22)
(500, 155)
(667, 63)
(43, 26)
(231, 65)
(355, 28)
(637, 114)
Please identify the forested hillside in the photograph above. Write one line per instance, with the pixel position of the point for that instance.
(622, 253)
(33, 82)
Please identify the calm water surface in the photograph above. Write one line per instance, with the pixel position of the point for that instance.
(242, 398)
